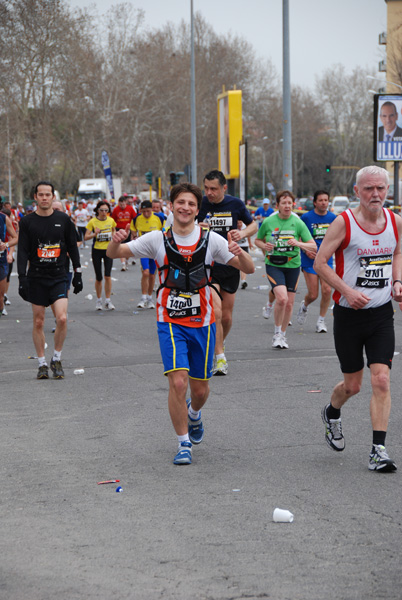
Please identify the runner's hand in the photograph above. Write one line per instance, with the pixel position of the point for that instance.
(23, 288)
(233, 247)
(121, 235)
(77, 283)
(357, 299)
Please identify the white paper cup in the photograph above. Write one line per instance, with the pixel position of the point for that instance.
(282, 516)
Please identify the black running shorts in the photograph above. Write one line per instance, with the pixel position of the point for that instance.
(226, 276)
(44, 292)
(287, 276)
(371, 329)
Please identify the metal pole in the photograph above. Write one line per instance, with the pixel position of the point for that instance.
(193, 124)
(287, 124)
(263, 173)
(10, 196)
(396, 183)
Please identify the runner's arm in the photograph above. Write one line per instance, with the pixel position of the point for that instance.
(331, 242)
(397, 265)
(242, 260)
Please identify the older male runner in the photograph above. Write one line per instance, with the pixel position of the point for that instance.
(367, 243)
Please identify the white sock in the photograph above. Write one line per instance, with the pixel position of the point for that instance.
(304, 307)
(144, 297)
(183, 438)
(283, 333)
(277, 328)
(56, 355)
(320, 319)
(193, 414)
(42, 361)
(220, 357)
(107, 299)
(149, 297)
(270, 304)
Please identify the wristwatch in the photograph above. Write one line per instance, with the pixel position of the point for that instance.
(78, 270)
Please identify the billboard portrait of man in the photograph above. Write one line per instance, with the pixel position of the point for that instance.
(387, 130)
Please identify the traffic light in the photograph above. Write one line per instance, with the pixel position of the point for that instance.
(148, 177)
(328, 168)
(173, 178)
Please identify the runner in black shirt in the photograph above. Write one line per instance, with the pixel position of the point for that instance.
(45, 238)
(221, 213)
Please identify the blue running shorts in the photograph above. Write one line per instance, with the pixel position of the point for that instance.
(148, 264)
(187, 348)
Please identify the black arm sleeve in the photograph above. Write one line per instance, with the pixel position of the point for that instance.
(23, 249)
(71, 245)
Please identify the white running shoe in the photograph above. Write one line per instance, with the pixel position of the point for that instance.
(321, 327)
(98, 304)
(109, 305)
(277, 341)
(142, 303)
(150, 304)
(4, 312)
(267, 311)
(302, 313)
(285, 344)
(6, 300)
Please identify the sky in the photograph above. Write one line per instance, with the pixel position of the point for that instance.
(322, 32)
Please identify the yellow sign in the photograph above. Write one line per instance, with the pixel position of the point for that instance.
(230, 132)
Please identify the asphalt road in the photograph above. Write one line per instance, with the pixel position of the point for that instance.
(203, 531)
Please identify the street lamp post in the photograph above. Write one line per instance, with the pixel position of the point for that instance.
(263, 160)
(287, 124)
(193, 120)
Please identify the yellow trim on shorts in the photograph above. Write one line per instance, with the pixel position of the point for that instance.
(174, 370)
(207, 352)
(174, 347)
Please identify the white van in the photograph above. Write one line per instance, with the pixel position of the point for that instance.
(339, 204)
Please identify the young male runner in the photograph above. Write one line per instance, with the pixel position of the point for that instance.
(185, 312)
(46, 237)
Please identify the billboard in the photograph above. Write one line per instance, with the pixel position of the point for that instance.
(388, 127)
(230, 132)
(108, 172)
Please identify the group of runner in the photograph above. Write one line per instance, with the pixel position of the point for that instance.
(199, 267)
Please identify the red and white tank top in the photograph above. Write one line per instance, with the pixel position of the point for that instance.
(364, 260)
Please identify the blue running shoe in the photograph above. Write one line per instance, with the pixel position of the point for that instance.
(183, 456)
(195, 427)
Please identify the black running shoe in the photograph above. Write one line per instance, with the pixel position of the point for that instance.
(43, 372)
(57, 369)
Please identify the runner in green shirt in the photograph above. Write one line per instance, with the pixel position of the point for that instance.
(281, 236)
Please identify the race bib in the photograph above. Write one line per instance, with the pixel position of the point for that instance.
(319, 230)
(104, 236)
(221, 222)
(375, 271)
(49, 252)
(282, 240)
(183, 304)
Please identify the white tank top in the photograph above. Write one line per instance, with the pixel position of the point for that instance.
(364, 260)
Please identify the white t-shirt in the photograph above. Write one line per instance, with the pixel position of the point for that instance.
(152, 246)
(82, 217)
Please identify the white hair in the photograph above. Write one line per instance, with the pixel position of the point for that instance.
(372, 170)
